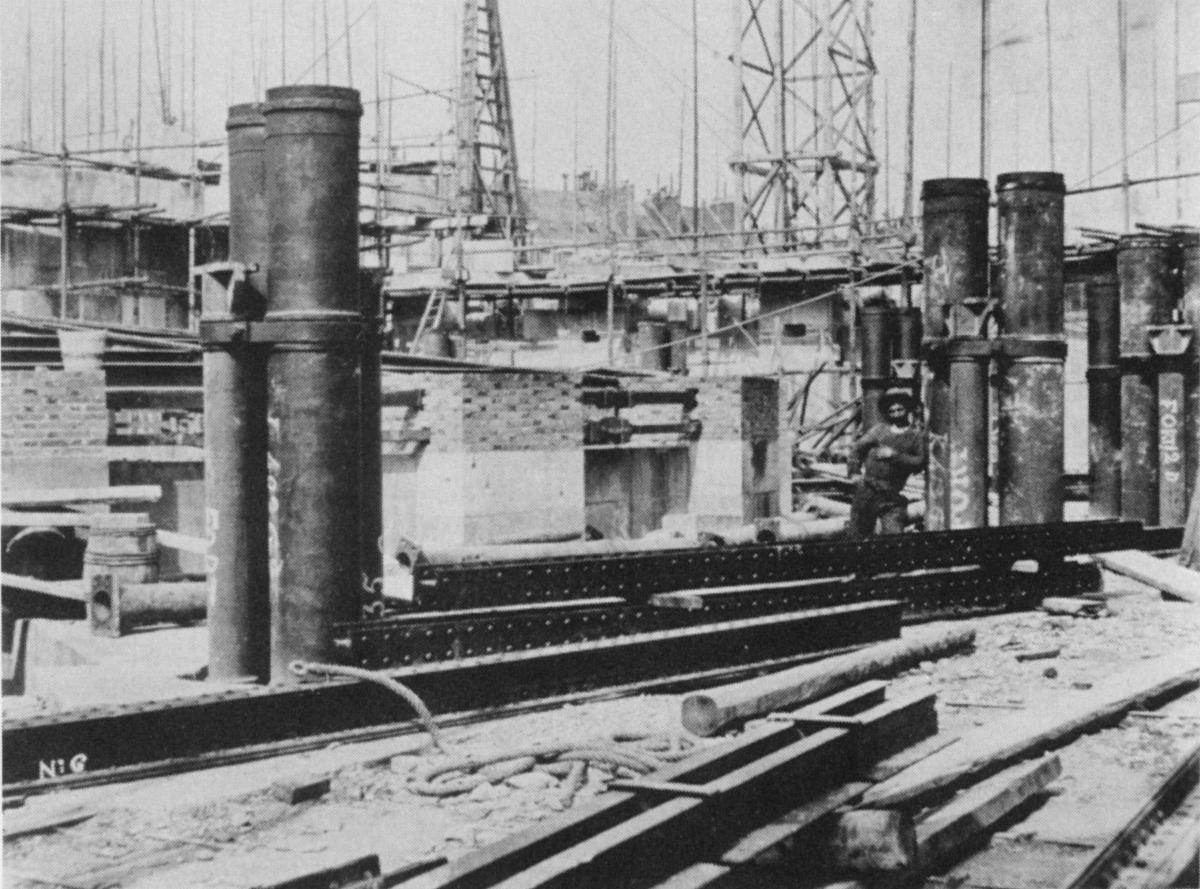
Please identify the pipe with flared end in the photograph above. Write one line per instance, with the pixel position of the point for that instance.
(314, 324)
(1031, 436)
(235, 438)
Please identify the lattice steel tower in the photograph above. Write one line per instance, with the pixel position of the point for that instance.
(805, 76)
(486, 161)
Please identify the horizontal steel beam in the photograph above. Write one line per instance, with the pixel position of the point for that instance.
(636, 576)
(45, 747)
(446, 635)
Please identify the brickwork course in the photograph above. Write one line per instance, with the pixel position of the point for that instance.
(479, 412)
(53, 413)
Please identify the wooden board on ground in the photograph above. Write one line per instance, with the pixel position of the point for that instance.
(945, 832)
(1168, 577)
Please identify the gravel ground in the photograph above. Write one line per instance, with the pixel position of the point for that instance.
(228, 829)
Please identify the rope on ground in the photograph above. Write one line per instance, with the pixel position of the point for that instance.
(300, 668)
(441, 779)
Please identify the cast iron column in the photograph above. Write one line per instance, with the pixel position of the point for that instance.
(314, 323)
(235, 435)
(1144, 273)
(1189, 273)
(955, 227)
(1032, 351)
(1104, 398)
(875, 356)
(371, 471)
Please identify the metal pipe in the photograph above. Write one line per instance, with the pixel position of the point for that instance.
(967, 454)
(1030, 208)
(907, 345)
(1172, 505)
(937, 470)
(235, 439)
(1104, 398)
(1029, 466)
(956, 271)
(906, 349)
(1189, 274)
(314, 368)
(876, 357)
(954, 215)
(371, 410)
(1030, 287)
(1144, 273)
(412, 555)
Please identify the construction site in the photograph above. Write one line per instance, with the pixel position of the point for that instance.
(797, 485)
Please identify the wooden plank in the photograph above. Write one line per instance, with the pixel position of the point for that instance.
(943, 833)
(706, 714)
(22, 822)
(301, 791)
(948, 829)
(1045, 724)
(62, 496)
(591, 847)
(763, 839)
(184, 542)
(13, 518)
(1167, 577)
(909, 756)
(62, 589)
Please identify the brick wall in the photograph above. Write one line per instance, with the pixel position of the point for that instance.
(53, 413)
(477, 412)
(521, 412)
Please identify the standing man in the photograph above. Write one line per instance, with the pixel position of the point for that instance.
(886, 455)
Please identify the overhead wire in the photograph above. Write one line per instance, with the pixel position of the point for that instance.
(330, 45)
(1140, 149)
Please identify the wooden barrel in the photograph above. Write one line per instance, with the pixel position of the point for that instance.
(123, 545)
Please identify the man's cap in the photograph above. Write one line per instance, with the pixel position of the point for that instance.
(897, 396)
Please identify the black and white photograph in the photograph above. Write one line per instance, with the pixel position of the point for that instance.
(600, 444)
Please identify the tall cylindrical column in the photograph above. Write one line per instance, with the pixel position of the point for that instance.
(314, 320)
(954, 223)
(1104, 398)
(1144, 271)
(235, 436)
(875, 354)
(1189, 274)
(954, 215)
(371, 407)
(968, 438)
(1030, 456)
(1030, 275)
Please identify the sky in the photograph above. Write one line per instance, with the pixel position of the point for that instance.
(557, 50)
